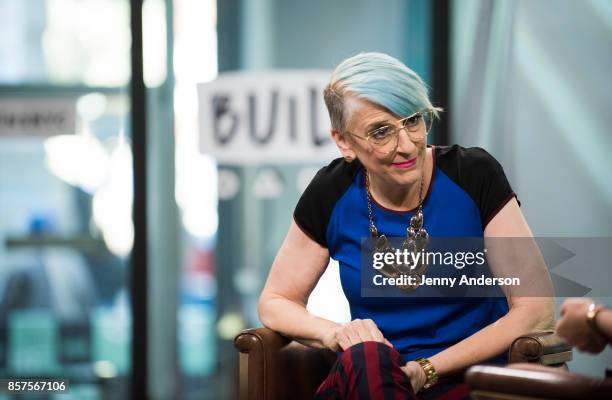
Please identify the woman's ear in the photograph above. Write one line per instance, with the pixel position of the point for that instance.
(344, 145)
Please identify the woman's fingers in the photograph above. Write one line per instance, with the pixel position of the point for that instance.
(363, 330)
(358, 331)
(352, 334)
(375, 333)
(342, 339)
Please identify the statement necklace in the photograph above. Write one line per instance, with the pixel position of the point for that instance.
(416, 241)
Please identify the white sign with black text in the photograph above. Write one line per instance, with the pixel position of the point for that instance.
(263, 117)
(37, 116)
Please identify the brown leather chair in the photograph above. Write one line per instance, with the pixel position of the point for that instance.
(273, 367)
(529, 382)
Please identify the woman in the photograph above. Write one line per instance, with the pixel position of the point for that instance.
(380, 115)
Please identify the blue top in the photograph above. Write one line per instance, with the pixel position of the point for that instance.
(467, 189)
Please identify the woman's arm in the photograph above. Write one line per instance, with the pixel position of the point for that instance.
(299, 264)
(526, 314)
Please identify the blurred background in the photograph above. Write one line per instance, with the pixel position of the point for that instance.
(134, 244)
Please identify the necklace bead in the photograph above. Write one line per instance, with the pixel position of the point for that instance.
(417, 239)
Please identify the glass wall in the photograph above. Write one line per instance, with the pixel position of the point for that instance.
(195, 60)
(65, 193)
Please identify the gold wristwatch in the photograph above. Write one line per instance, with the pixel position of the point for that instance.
(430, 372)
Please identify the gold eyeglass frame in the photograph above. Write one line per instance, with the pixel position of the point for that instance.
(397, 130)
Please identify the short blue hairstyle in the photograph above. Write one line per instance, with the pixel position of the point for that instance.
(379, 79)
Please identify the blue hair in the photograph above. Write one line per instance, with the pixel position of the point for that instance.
(380, 79)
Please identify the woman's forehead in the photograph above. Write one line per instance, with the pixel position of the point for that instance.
(362, 113)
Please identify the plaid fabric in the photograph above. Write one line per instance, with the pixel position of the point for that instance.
(371, 370)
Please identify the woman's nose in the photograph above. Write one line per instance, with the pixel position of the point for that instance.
(405, 144)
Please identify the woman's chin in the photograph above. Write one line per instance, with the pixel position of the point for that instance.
(406, 177)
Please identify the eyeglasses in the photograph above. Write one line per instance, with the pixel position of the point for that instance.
(386, 138)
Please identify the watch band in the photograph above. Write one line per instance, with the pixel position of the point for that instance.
(430, 372)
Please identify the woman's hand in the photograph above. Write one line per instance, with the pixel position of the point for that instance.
(575, 329)
(416, 375)
(357, 331)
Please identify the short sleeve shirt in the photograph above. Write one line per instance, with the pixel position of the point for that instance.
(467, 189)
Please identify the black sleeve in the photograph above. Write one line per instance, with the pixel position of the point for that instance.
(316, 204)
(480, 175)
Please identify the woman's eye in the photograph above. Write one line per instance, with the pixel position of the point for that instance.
(381, 133)
(412, 121)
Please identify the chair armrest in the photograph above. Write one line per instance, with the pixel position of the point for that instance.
(272, 366)
(544, 348)
(257, 363)
(533, 382)
(251, 339)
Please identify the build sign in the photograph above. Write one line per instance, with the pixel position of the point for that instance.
(264, 117)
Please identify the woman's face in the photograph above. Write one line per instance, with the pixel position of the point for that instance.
(401, 165)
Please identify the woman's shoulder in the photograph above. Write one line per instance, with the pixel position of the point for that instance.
(468, 166)
(331, 181)
(472, 159)
(478, 174)
(337, 172)
(316, 204)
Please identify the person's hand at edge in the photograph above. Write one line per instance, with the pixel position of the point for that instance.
(575, 329)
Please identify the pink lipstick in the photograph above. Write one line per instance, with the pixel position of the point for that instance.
(405, 164)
